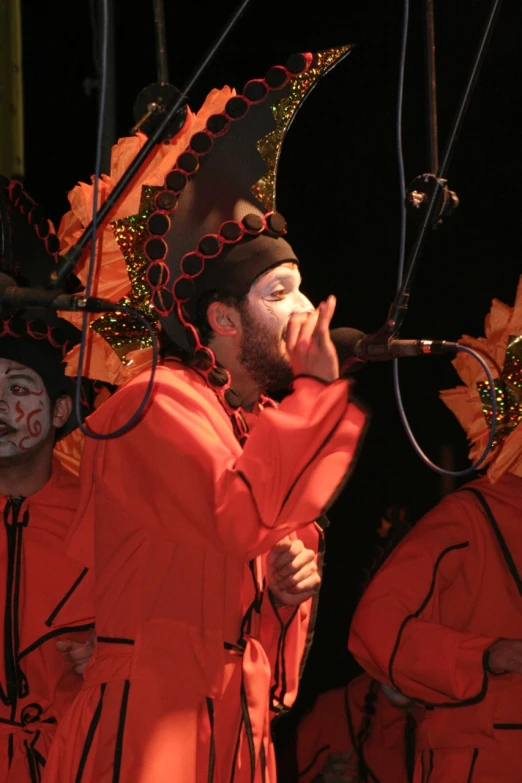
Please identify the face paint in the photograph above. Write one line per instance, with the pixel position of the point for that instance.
(273, 298)
(25, 409)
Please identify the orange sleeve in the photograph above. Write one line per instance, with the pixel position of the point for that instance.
(408, 628)
(176, 461)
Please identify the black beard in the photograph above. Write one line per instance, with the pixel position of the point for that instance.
(260, 355)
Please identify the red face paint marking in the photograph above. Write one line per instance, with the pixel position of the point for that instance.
(34, 428)
(20, 411)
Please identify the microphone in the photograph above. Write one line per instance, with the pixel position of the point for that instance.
(13, 297)
(355, 348)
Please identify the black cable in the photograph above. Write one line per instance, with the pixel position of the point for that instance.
(396, 381)
(71, 258)
(92, 260)
(146, 397)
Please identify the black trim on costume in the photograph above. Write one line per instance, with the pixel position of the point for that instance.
(16, 683)
(242, 476)
(66, 597)
(114, 640)
(22, 685)
(410, 730)
(11, 722)
(323, 522)
(284, 634)
(313, 458)
(248, 731)
(262, 761)
(430, 768)
(89, 737)
(235, 647)
(312, 762)
(473, 762)
(10, 750)
(508, 726)
(357, 742)
(118, 748)
(35, 760)
(51, 634)
(236, 750)
(464, 702)
(255, 606)
(498, 534)
(212, 750)
(280, 664)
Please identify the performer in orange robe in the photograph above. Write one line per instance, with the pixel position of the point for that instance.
(45, 595)
(359, 728)
(193, 656)
(442, 620)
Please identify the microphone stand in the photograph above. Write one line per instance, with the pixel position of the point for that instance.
(429, 192)
(68, 261)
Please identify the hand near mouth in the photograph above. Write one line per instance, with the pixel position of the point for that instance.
(309, 344)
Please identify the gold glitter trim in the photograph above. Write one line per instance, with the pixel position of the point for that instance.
(508, 392)
(123, 332)
(269, 147)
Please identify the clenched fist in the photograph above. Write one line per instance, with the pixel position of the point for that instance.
(292, 573)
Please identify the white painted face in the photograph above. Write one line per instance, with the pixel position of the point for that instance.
(25, 410)
(265, 313)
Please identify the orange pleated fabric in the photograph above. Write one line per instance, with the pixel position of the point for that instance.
(193, 660)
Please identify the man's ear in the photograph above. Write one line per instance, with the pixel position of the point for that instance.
(61, 411)
(223, 319)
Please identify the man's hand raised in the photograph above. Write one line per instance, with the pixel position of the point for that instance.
(309, 345)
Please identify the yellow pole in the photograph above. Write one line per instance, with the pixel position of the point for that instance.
(11, 90)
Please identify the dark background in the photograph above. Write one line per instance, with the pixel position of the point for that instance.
(338, 188)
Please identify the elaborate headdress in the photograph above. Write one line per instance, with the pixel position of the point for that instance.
(201, 217)
(119, 345)
(471, 403)
(214, 226)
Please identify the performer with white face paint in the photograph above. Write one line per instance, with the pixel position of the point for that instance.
(27, 417)
(202, 516)
(45, 596)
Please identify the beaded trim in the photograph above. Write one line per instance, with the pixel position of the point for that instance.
(166, 294)
(15, 325)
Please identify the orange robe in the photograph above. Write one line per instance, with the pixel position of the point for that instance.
(357, 718)
(45, 596)
(424, 625)
(191, 656)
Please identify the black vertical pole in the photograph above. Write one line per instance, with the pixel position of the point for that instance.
(431, 86)
(162, 63)
(109, 125)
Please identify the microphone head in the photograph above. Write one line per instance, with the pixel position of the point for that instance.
(345, 340)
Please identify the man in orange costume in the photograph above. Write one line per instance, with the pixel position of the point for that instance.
(45, 595)
(197, 645)
(442, 620)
